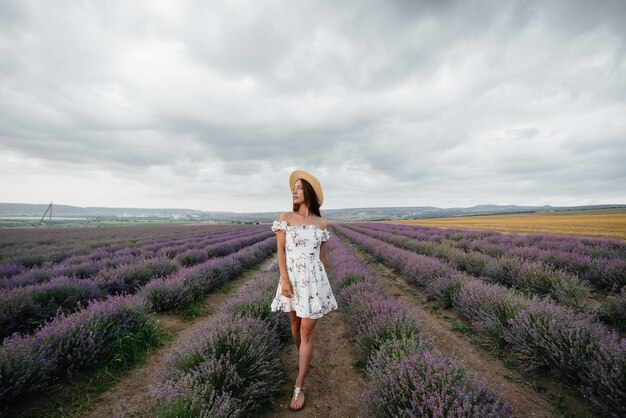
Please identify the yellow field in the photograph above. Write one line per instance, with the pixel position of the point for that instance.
(608, 223)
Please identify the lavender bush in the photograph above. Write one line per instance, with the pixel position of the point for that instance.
(374, 318)
(418, 269)
(50, 246)
(552, 337)
(537, 326)
(604, 380)
(29, 277)
(248, 345)
(25, 308)
(254, 302)
(191, 257)
(506, 270)
(229, 367)
(87, 265)
(166, 294)
(544, 280)
(443, 290)
(613, 310)
(532, 277)
(190, 284)
(408, 376)
(197, 399)
(197, 255)
(410, 379)
(489, 307)
(600, 262)
(11, 269)
(98, 333)
(113, 331)
(135, 275)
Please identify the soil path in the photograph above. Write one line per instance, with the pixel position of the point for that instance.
(525, 401)
(333, 386)
(130, 398)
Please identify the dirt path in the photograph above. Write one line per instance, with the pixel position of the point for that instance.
(525, 401)
(333, 385)
(129, 398)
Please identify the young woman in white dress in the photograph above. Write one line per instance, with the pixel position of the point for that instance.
(303, 291)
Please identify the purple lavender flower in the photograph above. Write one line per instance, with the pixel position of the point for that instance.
(546, 336)
(444, 289)
(25, 308)
(410, 379)
(68, 343)
(408, 376)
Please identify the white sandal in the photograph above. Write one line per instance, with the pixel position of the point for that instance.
(296, 393)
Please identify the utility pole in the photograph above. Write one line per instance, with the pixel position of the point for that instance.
(44, 215)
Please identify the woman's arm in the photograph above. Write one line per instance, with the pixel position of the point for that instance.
(323, 253)
(323, 246)
(285, 284)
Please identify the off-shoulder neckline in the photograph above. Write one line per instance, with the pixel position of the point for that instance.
(303, 226)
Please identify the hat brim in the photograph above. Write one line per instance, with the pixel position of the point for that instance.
(313, 181)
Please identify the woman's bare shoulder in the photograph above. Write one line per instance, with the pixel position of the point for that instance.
(284, 216)
(323, 223)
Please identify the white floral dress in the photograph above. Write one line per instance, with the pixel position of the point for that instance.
(312, 295)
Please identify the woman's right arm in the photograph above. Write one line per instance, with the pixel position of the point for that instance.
(285, 284)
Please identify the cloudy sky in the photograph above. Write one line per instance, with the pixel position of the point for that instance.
(210, 105)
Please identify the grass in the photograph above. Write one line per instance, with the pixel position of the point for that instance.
(462, 328)
(433, 309)
(76, 397)
(225, 287)
(195, 310)
(457, 326)
(557, 400)
(138, 223)
(607, 223)
(359, 364)
(523, 382)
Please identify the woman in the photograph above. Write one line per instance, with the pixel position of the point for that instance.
(304, 291)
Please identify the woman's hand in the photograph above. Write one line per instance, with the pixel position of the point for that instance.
(285, 287)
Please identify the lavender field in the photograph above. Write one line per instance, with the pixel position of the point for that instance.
(551, 308)
(79, 300)
(555, 305)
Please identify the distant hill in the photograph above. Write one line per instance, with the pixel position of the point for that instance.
(24, 210)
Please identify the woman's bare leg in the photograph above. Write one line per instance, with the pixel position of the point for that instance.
(307, 333)
(295, 328)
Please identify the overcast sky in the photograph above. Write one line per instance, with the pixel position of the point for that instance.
(210, 105)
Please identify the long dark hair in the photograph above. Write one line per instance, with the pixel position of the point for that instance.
(310, 199)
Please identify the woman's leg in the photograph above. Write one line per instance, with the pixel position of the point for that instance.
(295, 328)
(307, 332)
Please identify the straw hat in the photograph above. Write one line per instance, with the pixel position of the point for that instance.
(313, 181)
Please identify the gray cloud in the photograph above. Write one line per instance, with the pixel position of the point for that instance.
(444, 103)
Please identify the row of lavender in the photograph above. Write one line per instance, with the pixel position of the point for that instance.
(408, 375)
(87, 264)
(539, 334)
(600, 262)
(34, 247)
(23, 309)
(499, 242)
(530, 276)
(97, 333)
(230, 366)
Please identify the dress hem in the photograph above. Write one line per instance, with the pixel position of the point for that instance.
(308, 317)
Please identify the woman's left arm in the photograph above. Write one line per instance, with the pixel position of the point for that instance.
(324, 226)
